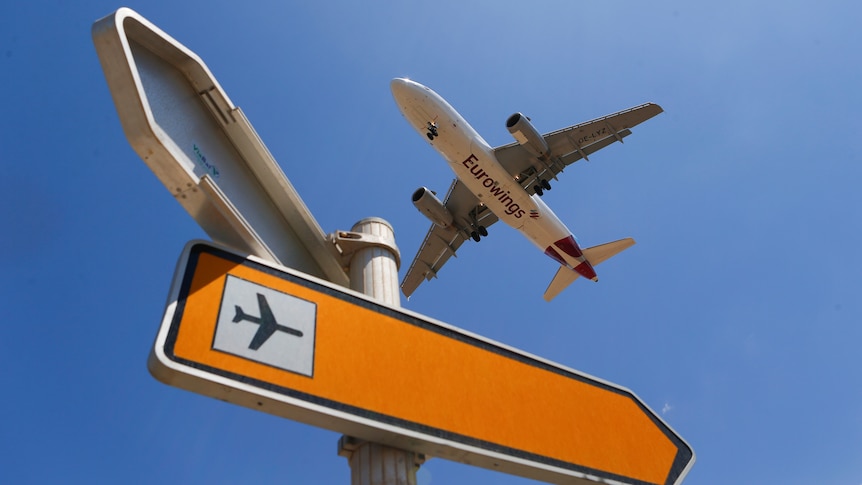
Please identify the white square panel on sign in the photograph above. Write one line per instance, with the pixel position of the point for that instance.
(266, 326)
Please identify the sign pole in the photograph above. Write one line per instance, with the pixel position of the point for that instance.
(373, 270)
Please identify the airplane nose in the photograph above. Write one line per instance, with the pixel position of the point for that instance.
(400, 87)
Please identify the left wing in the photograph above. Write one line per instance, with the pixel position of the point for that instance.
(571, 144)
(441, 243)
(267, 325)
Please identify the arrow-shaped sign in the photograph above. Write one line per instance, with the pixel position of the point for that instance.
(395, 377)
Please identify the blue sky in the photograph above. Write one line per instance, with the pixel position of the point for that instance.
(736, 317)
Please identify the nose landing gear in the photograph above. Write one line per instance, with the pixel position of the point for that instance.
(432, 130)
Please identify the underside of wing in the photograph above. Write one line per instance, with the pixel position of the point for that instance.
(264, 332)
(570, 144)
(267, 325)
(265, 312)
(441, 243)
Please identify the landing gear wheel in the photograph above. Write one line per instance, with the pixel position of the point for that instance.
(483, 231)
(545, 184)
(430, 136)
(538, 189)
(475, 236)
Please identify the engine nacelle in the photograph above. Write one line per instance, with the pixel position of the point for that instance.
(430, 205)
(521, 128)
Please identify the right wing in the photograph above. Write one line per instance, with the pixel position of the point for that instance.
(267, 324)
(571, 144)
(441, 243)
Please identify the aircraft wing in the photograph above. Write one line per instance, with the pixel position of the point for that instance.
(441, 243)
(571, 144)
(267, 324)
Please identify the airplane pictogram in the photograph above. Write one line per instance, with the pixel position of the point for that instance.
(267, 323)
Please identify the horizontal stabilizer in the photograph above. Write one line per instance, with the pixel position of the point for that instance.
(595, 255)
(598, 254)
(564, 277)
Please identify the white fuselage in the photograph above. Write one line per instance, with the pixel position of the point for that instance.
(475, 165)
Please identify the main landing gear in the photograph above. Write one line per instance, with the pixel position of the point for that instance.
(541, 186)
(479, 233)
(432, 131)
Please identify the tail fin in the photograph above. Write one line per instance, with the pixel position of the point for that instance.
(594, 255)
(240, 315)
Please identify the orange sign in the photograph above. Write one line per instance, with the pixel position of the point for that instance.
(276, 340)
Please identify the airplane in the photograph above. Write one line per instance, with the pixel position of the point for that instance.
(267, 324)
(505, 183)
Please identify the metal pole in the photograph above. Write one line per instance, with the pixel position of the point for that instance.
(373, 269)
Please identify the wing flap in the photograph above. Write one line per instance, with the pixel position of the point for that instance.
(439, 245)
(584, 152)
(585, 134)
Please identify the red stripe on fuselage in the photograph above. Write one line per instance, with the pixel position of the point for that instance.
(569, 246)
(555, 255)
(586, 270)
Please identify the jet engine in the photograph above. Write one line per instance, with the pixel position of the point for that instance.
(521, 128)
(431, 207)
